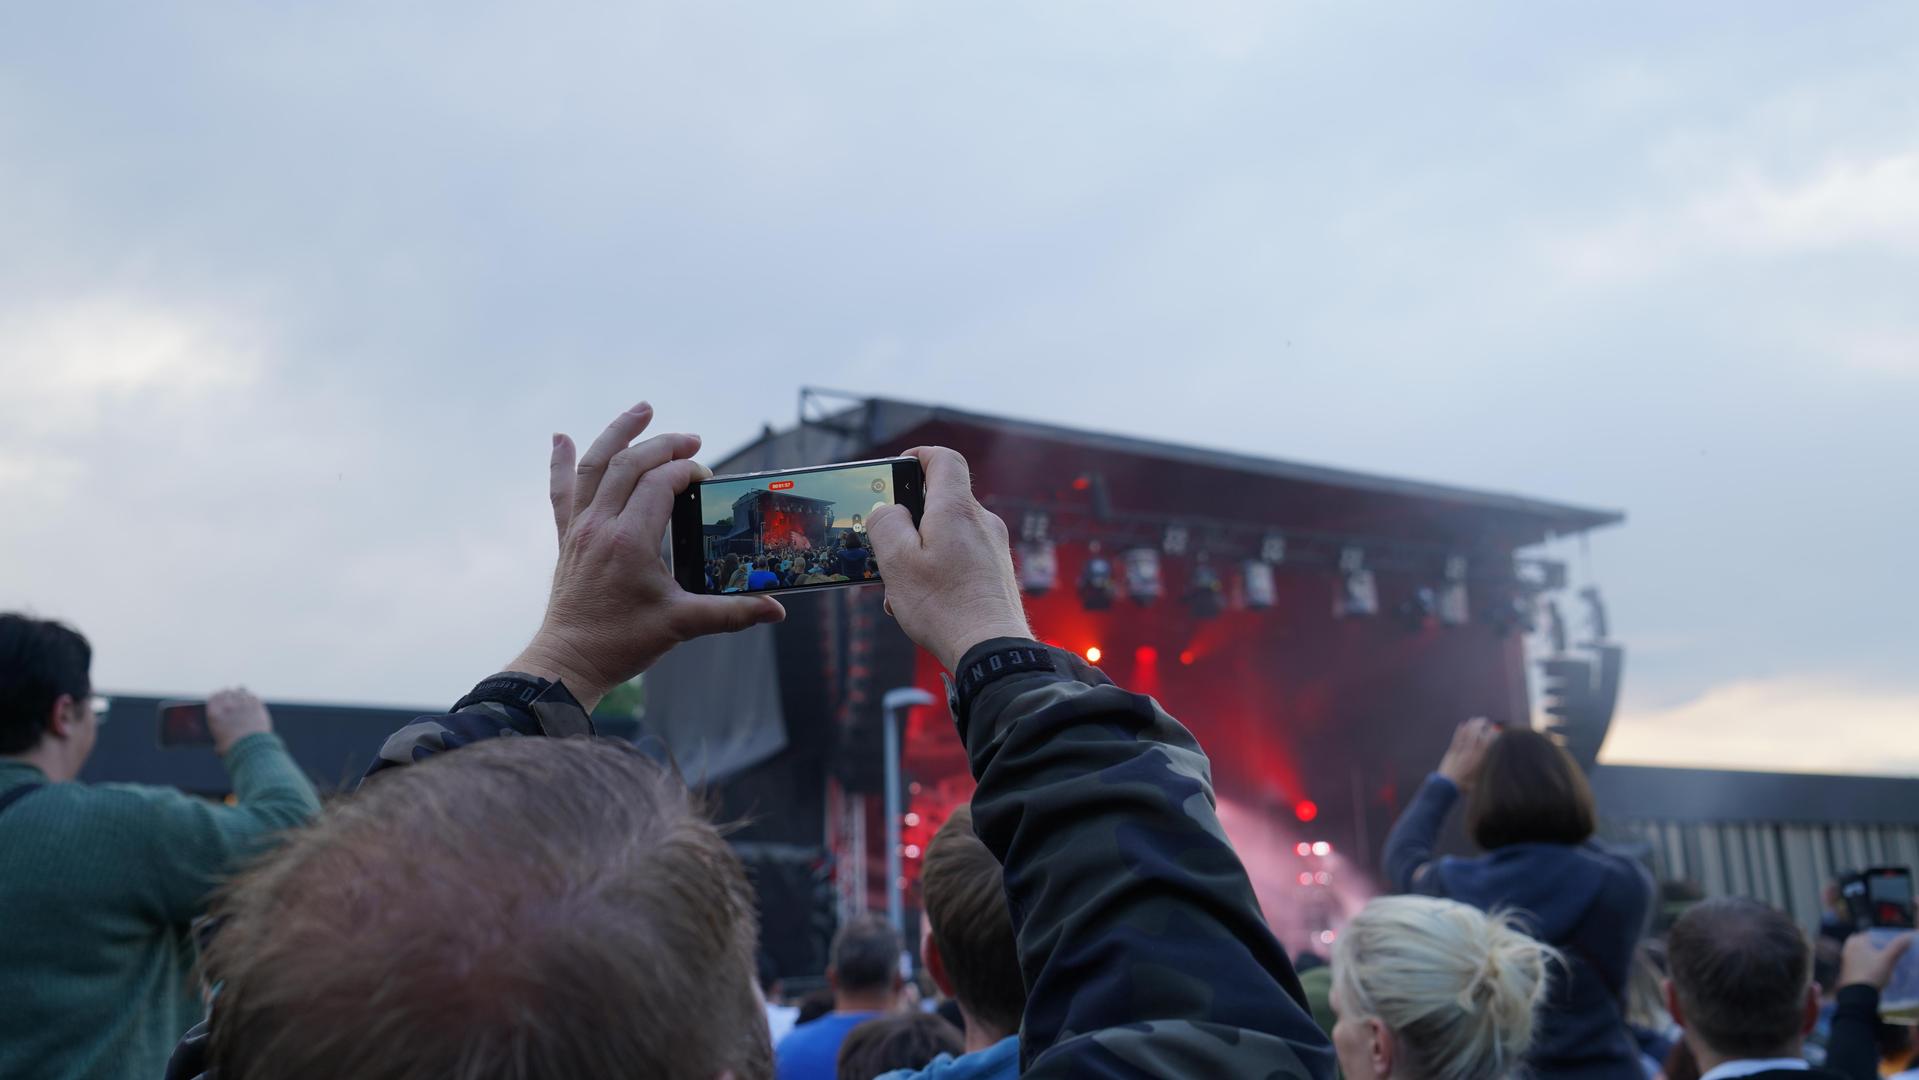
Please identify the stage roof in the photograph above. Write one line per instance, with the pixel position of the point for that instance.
(882, 425)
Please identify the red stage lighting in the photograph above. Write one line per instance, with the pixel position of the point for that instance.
(1305, 809)
(1186, 656)
(1303, 849)
(1146, 654)
(1081, 483)
(1093, 654)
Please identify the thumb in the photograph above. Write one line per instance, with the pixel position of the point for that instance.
(890, 528)
(703, 615)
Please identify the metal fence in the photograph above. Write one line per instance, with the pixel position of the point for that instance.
(1783, 864)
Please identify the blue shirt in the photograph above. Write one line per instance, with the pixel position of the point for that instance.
(812, 1051)
(762, 579)
(999, 1061)
(853, 562)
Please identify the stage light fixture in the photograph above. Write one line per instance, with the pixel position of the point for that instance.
(1145, 655)
(1272, 550)
(1096, 588)
(1257, 577)
(1038, 567)
(1358, 590)
(1174, 540)
(1142, 576)
(1305, 877)
(1302, 849)
(1205, 595)
(1187, 656)
(1418, 610)
(1454, 610)
(1305, 810)
(1322, 849)
(1093, 654)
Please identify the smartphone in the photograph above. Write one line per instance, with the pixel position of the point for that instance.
(1880, 898)
(792, 530)
(184, 723)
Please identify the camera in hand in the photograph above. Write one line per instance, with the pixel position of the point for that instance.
(788, 531)
(184, 723)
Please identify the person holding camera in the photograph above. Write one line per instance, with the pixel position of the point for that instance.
(1529, 809)
(451, 920)
(100, 882)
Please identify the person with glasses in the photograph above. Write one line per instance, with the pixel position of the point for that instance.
(99, 883)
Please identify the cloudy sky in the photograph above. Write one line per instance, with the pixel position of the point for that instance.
(291, 298)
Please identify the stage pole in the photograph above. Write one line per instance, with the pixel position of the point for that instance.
(893, 709)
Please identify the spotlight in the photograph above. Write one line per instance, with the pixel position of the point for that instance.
(1142, 576)
(1205, 595)
(1322, 849)
(1453, 607)
(1305, 877)
(1174, 541)
(1145, 655)
(1418, 610)
(1257, 576)
(1305, 810)
(1187, 656)
(1272, 550)
(1093, 654)
(1358, 592)
(1302, 849)
(1096, 589)
(1038, 567)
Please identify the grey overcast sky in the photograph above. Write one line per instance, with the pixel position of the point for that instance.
(291, 298)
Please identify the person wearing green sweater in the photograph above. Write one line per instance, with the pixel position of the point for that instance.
(99, 883)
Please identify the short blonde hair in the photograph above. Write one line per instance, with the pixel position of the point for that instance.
(1456, 986)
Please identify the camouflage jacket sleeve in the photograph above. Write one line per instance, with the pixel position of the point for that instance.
(1142, 946)
(554, 712)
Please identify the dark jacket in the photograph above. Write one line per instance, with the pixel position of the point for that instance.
(1589, 903)
(1144, 949)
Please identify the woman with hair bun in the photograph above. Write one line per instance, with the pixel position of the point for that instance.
(1430, 989)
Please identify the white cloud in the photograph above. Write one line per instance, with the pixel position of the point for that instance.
(65, 363)
(1850, 204)
(1791, 724)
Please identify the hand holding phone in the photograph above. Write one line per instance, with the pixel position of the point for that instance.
(949, 575)
(614, 607)
(220, 721)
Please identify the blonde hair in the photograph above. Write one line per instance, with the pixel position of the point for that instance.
(1456, 986)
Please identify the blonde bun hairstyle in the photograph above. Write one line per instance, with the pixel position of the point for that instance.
(1457, 987)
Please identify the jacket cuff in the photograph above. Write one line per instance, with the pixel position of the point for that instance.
(1858, 999)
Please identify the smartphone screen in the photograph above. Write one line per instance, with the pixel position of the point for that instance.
(184, 723)
(1889, 898)
(786, 531)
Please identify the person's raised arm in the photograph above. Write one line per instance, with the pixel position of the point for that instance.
(614, 608)
(1865, 967)
(1408, 857)
(1142, 946)
(191, 843)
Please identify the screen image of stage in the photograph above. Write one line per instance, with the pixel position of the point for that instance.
(761, 532)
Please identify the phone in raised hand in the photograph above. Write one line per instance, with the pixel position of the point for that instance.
(792, 530)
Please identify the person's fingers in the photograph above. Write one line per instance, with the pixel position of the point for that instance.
(698, 616)
(650, 506)
(559, 484)
(632, 464)
(890, 530)
(948, 480)
(624, 429)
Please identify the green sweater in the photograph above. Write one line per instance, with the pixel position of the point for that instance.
(98, 883)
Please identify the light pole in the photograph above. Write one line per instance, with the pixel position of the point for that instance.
(893, 706)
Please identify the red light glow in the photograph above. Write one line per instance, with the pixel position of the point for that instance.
(1305, 810)
(1146, 654)
(1081, 483)
(1186, 657)
(1093, 654)
(1303, 849)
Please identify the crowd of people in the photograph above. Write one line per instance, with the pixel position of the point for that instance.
(507, 896)
(788, 563)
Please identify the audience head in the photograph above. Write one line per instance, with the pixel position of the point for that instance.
(46, 693)
(1529, 790)
(1430, 989)
(1739, 981)
(516, 908)
(900, 1041)
(970, 949)
(865, 962)
(815, 1004)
